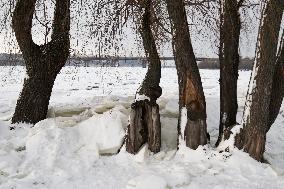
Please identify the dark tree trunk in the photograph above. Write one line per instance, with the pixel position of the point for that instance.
(144, 124)
(43, 63)
(257, 110)
(144, 127)
(151, 84)
(230, 27)
(33, 103)
(191, 94)
(277, 92)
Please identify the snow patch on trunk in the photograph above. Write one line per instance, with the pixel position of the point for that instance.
(229, 144)
(183, 121)
(27, 76)
(224, 117)
(141, 97)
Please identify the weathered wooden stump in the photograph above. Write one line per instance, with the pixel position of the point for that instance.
(144, 127)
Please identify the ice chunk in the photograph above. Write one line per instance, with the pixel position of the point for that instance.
(148, 181)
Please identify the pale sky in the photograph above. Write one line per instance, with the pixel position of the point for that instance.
(203, 46)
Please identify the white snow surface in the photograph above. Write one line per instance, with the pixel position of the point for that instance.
(76, 146)
(142, 97)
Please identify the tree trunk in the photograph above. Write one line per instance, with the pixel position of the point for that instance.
(277, 92)
(256, 114)
(43, 63)
(230, 27)
(136, 130)
(33, 103)
(191, 96)
(144, 123)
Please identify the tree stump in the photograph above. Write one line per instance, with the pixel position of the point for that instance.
(144, 127)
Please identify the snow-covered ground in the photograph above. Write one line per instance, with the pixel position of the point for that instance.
(75, 148)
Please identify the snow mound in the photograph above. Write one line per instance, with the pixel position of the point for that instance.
(142, 155)
(148, 181)
(105, 130)
(51, 146)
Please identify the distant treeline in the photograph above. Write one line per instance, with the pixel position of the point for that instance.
(110, 61)
(213, 63)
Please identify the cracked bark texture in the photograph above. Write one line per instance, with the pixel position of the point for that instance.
(258, 120)
(230, 27)
(191, 94)
(43, 62)
(277, 92)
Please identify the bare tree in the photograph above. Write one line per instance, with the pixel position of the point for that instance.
(192, 121)
(256, 118)
(144, 122)
(230, 26)
(43, 62)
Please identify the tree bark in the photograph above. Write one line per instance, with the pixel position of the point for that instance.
(136, 131)
(230, 27)
(191, 94)
(277, 92)
(257, 110)
(144, 123)
(43, 62)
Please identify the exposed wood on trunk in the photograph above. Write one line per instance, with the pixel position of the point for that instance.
(256, 114)
(144, 120)
(191, 94)
(43, 62)
(152, 120)
(144, 127)
(230, 27)
(136, 131)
